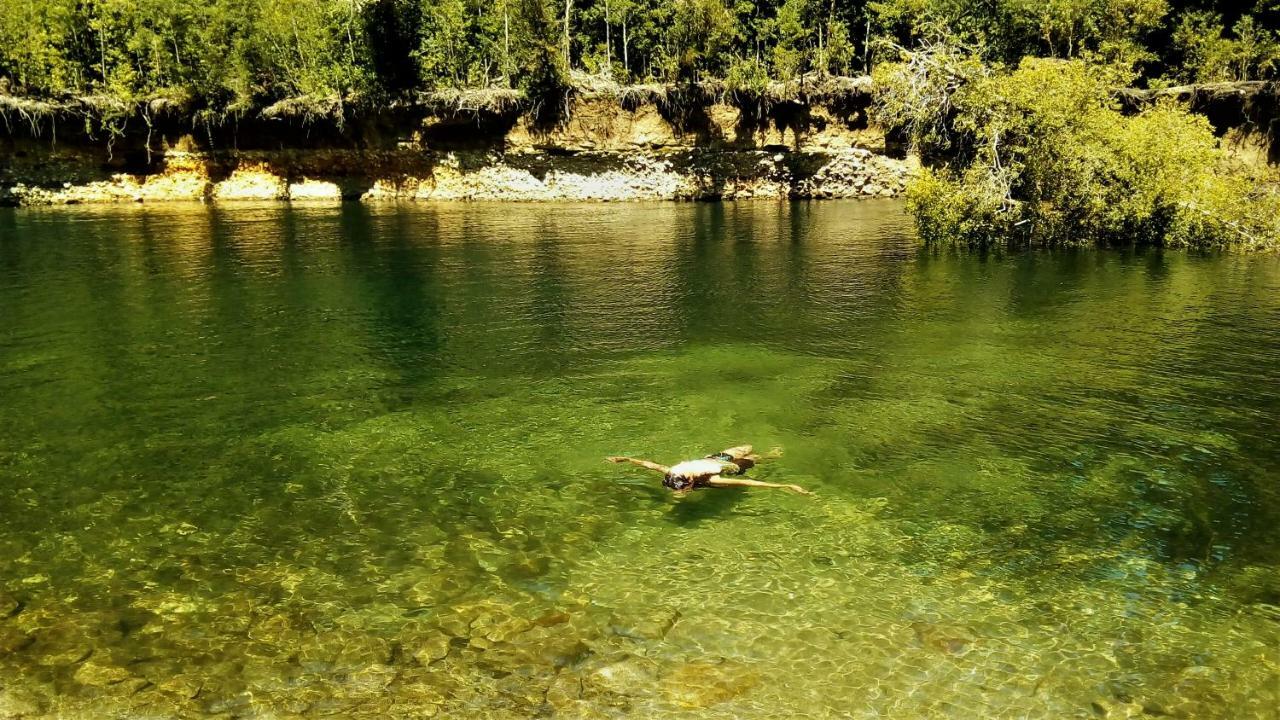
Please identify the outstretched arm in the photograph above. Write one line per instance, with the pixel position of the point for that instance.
(642, 463)
(718, 481)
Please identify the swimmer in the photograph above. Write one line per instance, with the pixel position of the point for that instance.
(722, 469)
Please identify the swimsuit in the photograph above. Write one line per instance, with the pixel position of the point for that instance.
(739, 465)
(692, 474)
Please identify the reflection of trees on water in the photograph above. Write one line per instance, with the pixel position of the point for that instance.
(787, 276)
(398, 304)
(311, 418)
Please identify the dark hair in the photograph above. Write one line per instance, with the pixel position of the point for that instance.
(677, 482)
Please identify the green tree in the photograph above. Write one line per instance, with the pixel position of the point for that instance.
(394, 29)
(445, 53)
(34, 40)
(809, 36)
(1209, 55)
(1042, 154)
(544, 71)
(1069, 28)
(701, 33)
(309, 48)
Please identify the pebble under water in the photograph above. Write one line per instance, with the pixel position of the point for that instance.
(306, 462)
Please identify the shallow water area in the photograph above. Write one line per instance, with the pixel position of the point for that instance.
(347, 461)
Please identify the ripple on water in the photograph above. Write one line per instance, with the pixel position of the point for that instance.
(306, 462)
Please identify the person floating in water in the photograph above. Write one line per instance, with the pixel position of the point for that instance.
(722, 469)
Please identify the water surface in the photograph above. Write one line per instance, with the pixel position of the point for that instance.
(289, 462)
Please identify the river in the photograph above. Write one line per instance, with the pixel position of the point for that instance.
(347, 461)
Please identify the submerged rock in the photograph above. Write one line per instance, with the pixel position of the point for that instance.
(703, 684)
(344, 651)
(455, 625)
(185, 686)
(1111, 708)
(15, 705)
(61, 650)
(653, 625)
(228, 703)
(551, 618)
(564, 691)
(96, 674)
(12, 640)
(433, 649)
(374, 678)
(421, 693)
(9, 605)
(631, 676)
(503, 630)
(526, 566)
(951, 639)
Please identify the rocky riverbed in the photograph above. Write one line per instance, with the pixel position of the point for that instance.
(309, 462)
(495, 638)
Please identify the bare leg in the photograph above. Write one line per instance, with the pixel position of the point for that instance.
(746, 452)
(737, 453)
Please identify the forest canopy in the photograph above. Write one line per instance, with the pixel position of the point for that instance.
(232, 54)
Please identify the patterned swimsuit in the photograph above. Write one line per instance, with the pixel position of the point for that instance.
(694, 474)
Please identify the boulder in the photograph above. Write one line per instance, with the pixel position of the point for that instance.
(432, 649)
(96, 674)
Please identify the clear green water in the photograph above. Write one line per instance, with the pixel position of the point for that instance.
(283, 462)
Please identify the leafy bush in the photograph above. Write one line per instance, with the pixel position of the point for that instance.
(1113, 30)
(1210, 56)
(1042, 155)
(1072, 28)
(747, 75)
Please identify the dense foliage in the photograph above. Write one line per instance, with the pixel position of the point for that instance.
(1041, 154)
(226, 54)
(1008, 101)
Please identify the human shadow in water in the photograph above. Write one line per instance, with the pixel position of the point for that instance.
(703, 505)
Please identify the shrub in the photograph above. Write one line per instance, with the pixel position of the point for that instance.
(748, 76)
(1042, 155)
(1209, 56)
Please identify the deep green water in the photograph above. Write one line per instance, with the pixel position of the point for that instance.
(347, 462)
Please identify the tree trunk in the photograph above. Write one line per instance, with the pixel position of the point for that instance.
(568, 7)
(626, 64)
(822, 54)
(866, 49)
(608, 40)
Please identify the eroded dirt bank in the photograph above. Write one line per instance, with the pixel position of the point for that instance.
(602, 149)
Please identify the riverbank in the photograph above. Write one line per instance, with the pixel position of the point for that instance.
(602, 142)
(423, 174)
(617, 144)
